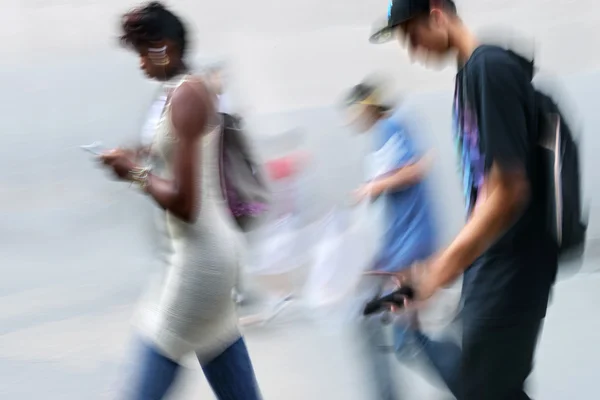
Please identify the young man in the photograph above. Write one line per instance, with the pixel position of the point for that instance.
(505, 253)
(396, 172)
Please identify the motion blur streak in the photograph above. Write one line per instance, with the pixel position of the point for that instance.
(78, 248)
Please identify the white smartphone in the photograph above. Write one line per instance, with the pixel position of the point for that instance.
(96, 148)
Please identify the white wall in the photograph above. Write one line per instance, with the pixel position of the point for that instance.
(293, 54)
(291, 68)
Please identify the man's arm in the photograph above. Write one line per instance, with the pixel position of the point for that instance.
(506, 198)
(404, 177)
(501, 89)
(409, 166)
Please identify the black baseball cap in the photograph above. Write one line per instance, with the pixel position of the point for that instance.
(363, 94)
(400, 11)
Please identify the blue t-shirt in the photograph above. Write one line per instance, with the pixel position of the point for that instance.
(409, 228)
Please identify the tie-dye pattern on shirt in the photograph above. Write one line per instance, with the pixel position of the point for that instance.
(466, 133)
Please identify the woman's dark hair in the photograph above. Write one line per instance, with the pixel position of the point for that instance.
(152, 22)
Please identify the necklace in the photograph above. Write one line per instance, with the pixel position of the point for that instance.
(173, 82)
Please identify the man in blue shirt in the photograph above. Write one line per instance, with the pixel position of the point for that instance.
(396, 172)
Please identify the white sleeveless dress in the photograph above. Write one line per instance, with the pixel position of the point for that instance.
(190, 307)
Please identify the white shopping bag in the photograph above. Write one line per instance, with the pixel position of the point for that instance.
(277, 248)
(348, 249)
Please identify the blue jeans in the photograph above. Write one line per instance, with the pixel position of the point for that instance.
(379, 358)
(494, 361)
(379, 351)
(230, 375)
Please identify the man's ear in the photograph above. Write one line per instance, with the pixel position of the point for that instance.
(437, 17)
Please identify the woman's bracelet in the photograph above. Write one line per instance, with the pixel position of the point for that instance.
(140, 176)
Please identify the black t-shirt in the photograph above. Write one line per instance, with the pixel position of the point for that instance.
(495, 120)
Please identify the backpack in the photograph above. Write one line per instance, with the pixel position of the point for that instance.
(561, 166)
(243, 182)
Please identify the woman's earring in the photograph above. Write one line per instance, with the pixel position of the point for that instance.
(164, 61)
(159, 56)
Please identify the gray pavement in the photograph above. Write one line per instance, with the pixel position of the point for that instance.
(53, 349)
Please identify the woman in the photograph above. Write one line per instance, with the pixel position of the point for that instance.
(191, 309)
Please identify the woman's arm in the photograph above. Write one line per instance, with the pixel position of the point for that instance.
(190, 107)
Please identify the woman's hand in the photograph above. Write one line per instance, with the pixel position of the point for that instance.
(120, 161)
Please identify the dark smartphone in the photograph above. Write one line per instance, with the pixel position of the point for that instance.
(396, 298)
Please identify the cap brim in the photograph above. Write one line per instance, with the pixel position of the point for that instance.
(383, 29)
(381, 36)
